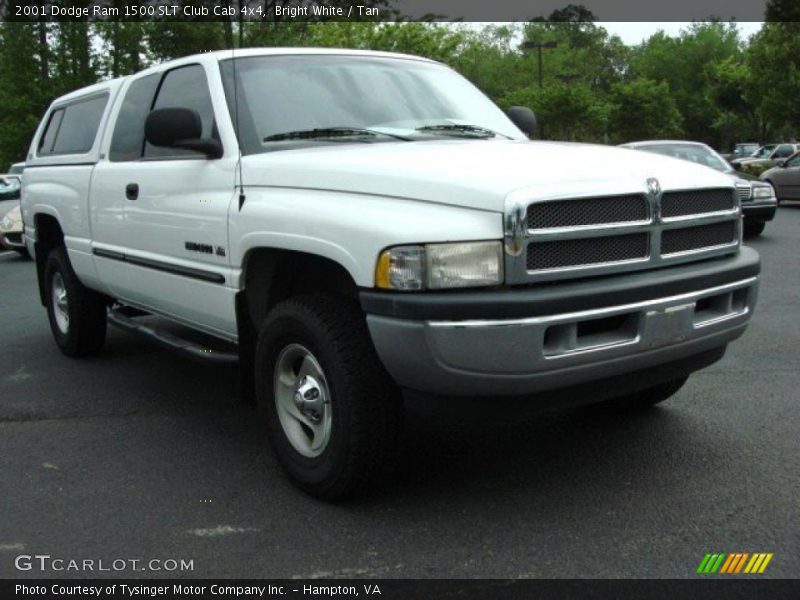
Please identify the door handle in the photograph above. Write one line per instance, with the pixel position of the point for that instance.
(132, 191)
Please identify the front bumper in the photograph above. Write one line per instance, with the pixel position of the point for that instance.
(561, 335)
(12, 239)
(760, 210)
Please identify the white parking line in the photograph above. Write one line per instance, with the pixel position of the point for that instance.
(5, 252)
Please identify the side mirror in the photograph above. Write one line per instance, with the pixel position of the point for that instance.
(523, 117)
(179, 128)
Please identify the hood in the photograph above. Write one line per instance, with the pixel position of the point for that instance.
(742, 177)
(473, 173)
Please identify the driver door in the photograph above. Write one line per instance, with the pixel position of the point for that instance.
(161, 236)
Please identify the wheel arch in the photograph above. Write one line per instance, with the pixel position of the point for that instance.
(49, 235)
(270, 275)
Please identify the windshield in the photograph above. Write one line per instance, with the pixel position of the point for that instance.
(284, 101)
(764, 151)
(745, 149)
(696, 153)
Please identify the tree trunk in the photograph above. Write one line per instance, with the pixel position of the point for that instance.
(228, 24)
(44, 51)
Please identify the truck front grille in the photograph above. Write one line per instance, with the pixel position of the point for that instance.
(587, 211)
(562, 238)
(695, 202)
(744, 192)
(689, 239)
(587, 251)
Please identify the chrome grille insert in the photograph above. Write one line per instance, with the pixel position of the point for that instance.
(691, 239)
(600, 231)
(587, 251)
(744, 192)
(587, 211)
(695, 202)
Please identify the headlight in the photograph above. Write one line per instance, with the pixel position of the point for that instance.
(763, 191)
(6, 223)
(440, 266)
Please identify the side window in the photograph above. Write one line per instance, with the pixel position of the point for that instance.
(77, 128)
(185, 87)
(794, 161)
(49, 135)
(127, 143)
(784, 151)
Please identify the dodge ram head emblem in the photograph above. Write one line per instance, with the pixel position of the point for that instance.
(653, 187)
(653, 197)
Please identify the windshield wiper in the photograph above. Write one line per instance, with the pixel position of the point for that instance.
(330, 132)
(460, 129)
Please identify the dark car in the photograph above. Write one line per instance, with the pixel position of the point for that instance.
(757, 197)
(785, 178)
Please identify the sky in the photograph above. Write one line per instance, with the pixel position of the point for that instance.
(634, 32)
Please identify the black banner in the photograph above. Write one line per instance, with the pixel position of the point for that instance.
(398, 589)
(288, 11)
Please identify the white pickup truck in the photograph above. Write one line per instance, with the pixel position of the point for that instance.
(357, 223)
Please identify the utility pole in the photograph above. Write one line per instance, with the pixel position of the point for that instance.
(539, 46)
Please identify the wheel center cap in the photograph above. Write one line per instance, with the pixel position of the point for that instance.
(308, 398)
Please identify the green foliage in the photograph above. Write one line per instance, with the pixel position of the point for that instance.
(774, 56)
(704, 84)
(24, 90)
(643, 109)
(566, 111)
(686, 64)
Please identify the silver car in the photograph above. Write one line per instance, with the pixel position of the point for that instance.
(785, 178)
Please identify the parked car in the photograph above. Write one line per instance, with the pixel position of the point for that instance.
(755, 165)
(11, 231)
(743, 150)
(762, 152)
(785, 178)
(9, 187)
(362, 222)
(757, 197)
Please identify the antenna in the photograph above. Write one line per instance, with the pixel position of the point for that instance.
(236, 121)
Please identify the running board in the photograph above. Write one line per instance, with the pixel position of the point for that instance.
(171, 341)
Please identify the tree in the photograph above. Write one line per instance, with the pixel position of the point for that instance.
(124, 46)
(642, 109)
(73, 57)
(24, 90)
(730, 90)
(773, 60)
(567, 111)
(685, 63)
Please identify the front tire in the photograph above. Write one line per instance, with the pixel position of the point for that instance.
(332, 412)
(77, 314)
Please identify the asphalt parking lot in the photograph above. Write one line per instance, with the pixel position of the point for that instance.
(142, 454)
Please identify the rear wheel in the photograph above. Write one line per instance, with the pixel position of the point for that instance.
(754, 228)
(644, 398)
(77, 314)
(332, 412)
